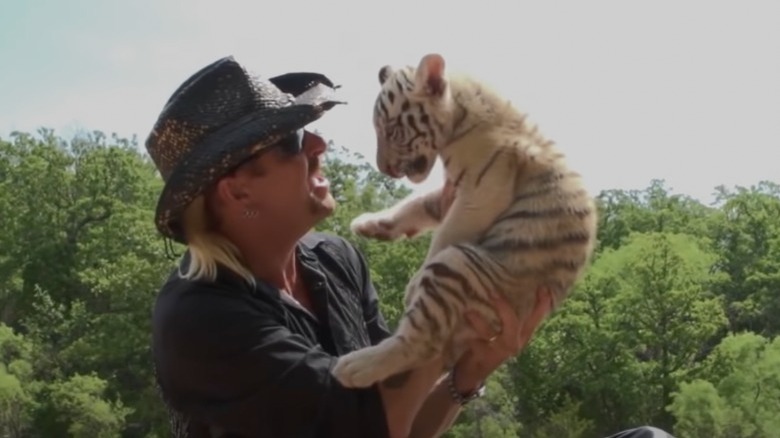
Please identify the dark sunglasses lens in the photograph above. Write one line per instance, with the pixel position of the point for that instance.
(293, 144)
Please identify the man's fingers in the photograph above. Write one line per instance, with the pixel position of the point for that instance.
(513, 334)
(506, 313)
(479, 325)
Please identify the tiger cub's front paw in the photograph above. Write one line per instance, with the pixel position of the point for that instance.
(380, 226)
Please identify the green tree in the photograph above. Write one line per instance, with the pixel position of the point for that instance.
(622, 212)
(673, 325)
(17, 400)
(738, 394)
(77, 406)
(747, 238)
(629, 333)
(81, 265)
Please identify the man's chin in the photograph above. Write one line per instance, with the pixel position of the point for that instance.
(323, 207)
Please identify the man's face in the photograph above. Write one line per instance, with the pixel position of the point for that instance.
(284, 186)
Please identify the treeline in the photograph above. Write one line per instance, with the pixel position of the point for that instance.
(674, 325)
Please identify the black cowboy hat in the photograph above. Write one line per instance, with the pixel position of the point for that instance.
(217, 119)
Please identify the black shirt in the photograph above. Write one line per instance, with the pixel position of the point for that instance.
(234, 360)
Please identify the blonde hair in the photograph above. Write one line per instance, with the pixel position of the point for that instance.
(207, 248)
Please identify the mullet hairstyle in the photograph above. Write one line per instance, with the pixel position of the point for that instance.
(207, 248)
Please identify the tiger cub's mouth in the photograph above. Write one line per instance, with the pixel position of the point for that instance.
(416, 167)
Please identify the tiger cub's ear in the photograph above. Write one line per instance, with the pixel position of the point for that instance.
(431, 78)
(384, 73)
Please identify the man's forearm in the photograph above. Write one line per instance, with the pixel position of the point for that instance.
(404, 396)
(440, 410)
(437, 414)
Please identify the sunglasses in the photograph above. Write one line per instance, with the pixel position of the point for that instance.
(291, 145)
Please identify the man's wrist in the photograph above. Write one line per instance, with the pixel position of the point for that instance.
(467, 377)
(463, 386)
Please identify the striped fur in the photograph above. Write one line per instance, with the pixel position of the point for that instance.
(521, 217)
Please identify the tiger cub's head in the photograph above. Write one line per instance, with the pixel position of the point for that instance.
(413, 117)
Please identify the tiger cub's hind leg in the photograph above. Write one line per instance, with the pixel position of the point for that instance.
(456, 279)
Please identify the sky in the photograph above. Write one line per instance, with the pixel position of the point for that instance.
(685, 91)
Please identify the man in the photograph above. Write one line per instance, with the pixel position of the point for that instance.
(246, 331)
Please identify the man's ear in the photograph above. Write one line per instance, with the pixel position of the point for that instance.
(230, 190)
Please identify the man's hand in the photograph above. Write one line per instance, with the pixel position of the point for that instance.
(482, 358)
(491, 349)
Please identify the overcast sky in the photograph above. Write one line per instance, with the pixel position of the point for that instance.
(685, 91)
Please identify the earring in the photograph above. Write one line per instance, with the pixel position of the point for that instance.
(250, 214)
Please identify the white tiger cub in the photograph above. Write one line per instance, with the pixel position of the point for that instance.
(520, 218)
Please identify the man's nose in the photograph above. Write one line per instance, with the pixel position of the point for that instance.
(313, 144)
